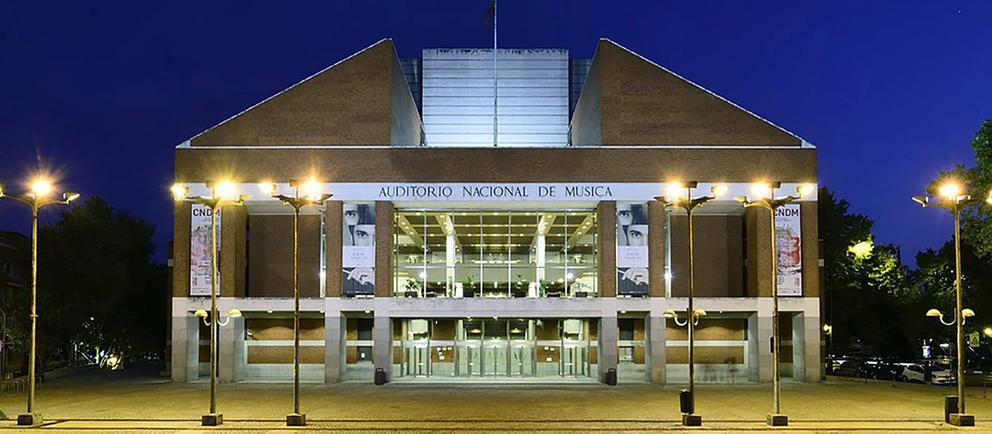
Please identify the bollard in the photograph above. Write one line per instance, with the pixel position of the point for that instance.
(950, 406)
(380, 376)
(685, 402)
(611, 377)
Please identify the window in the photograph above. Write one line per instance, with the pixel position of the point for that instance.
(495, 253)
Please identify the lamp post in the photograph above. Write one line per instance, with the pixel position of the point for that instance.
(952, 197)
(221, 194)
(312, 196)
(763, 195)
(680, 196)
(37, 198)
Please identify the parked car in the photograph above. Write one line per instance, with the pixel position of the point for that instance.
(882, 369)
(927, 374)
(851, 368)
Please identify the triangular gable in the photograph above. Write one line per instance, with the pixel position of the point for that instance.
(348, 103)
(643, 103)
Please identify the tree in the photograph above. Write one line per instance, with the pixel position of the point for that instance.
(863, 282)
(98, 286)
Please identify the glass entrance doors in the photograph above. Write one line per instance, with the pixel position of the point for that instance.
(496, 348)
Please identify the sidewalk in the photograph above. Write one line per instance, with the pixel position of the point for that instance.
(111, 401)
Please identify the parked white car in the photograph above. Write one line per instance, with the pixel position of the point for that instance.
(917, 374)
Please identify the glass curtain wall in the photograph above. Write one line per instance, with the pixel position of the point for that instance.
(496, 348)
(495, 253)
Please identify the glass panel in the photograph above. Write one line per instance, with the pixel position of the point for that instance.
(495, 254)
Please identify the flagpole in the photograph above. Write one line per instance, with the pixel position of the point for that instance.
(495, 81)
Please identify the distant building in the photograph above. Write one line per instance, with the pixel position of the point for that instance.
(463, 248)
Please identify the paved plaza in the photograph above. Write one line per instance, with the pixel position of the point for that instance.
(121, 402)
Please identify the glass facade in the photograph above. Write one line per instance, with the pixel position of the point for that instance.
(495, 253)
(497, 347)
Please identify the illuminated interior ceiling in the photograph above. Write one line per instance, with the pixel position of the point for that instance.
(496, 232)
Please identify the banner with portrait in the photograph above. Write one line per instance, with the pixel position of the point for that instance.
(199, 250)
(632, 249)
(358, 249)
(788, 242)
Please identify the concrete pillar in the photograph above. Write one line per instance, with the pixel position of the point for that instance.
(185, 348)
(382, 343)
(384, 249)
(810, 325)
(606, 215)
(232, 357)
(335, 328)
(751, 362)
(333, 218)
(764, 335)
(798, 347)
(608, 352)
(657, 335)
(657, 249)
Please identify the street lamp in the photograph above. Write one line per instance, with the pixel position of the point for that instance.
(222, 193)
(951, 196)
(311, 196)
(679, 195)
(37, 198)
(763, 195)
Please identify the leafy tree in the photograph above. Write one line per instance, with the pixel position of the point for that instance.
(98, 286)
(862, 282)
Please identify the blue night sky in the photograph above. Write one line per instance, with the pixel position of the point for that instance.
(890, 93)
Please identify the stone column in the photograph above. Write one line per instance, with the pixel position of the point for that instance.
(657, 249)
(798, 347)
(809, 327)
(607, 344)
(382, 343)
(383, 249)
(185, 348)
(232, 357)
(764, 335)
(606, 215)
(751, 363)
(657, 361)
(333, 218)
(335, 327)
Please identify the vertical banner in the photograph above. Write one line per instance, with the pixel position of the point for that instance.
(632, 249)
(358, 249)
(199, 250)
(788, 242)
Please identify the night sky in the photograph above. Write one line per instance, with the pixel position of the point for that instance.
(102, 93)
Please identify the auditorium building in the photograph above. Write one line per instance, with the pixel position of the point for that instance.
(489, 231)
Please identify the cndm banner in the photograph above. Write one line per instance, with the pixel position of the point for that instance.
(199, 251)
(788, 242)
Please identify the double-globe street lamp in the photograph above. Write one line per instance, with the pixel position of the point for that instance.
(37, 198)
(679, 195)
(952, 197)
(763, 195)
(311, 196)
(223, 193)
